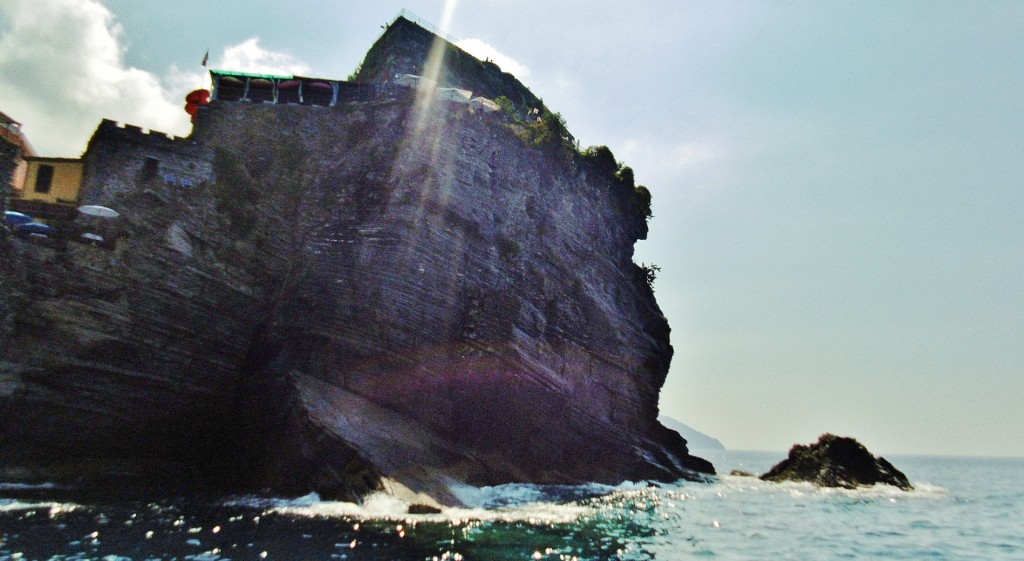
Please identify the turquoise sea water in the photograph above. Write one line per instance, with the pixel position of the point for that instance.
(963, 508)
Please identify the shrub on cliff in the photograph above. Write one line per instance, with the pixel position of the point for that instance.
(640, 193)
(554, 126)
(547, 129)
(603, 162)
(643, 199)
(537, 125)
(355, 73)
(649, 272)
(601, 159)
(505, 104)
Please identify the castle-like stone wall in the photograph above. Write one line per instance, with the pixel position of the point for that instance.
(9, 155)
(124, 159)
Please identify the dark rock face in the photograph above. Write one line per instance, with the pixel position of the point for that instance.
(9, 154)
(405, 48)
(376, 294)
(836, 461)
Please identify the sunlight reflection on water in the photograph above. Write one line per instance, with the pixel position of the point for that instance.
(962, 513)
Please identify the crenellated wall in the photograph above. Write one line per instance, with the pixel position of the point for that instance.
(125, 158)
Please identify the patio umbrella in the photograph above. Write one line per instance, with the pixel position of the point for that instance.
(15, 218)
(99, 211)
(35, 228)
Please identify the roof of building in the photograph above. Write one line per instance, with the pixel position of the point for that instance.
(6, 119)
(235, 74)
(10, 130)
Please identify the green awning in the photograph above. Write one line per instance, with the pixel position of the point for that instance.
(234, 74)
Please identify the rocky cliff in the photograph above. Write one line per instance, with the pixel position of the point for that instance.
(398, 290)
(407, 48)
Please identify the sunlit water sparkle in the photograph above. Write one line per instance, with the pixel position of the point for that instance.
(963, 508)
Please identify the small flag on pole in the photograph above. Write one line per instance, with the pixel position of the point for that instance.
(206, 57)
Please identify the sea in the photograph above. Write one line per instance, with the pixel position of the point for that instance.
(961, 508)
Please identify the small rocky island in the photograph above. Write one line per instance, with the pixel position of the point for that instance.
(836, 461)
(344, 287)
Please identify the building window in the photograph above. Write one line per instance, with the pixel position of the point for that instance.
(150, 169)
(44, 178)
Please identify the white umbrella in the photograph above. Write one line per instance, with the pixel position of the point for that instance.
(414, 81)
(454, 94)
(485, 104)
(100, 211)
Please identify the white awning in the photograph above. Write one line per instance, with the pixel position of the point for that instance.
(414, 81)
(454, 94)
(484, 104)
(100, 211)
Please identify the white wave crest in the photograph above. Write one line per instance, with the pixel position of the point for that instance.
(11, 505)
(739, 483)
(27, 486)
(532, 504)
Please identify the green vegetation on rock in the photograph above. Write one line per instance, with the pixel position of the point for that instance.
(537, 125)
(604, 162)
(650, 273)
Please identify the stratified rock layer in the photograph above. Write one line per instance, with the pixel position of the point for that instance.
(390, 290)
(836, 461)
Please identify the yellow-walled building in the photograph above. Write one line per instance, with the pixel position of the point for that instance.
(53, 180)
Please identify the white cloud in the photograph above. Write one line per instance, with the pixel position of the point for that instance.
(249, 56)
(689, 155)
(667, 160)
(683, 174)
(63, 69)
(484, 51)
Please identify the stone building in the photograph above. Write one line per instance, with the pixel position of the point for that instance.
(51, 188)
(14, 148)
(118, 158)
(122, 158)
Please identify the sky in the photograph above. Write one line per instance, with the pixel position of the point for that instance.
(838, 186)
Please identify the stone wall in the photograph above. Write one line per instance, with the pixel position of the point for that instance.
(9, 155)
(124, 363)
(124, 159)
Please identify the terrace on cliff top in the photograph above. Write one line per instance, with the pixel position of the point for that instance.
(404, 48)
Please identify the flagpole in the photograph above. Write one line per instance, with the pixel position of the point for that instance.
(206, 59)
